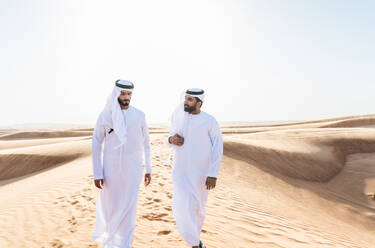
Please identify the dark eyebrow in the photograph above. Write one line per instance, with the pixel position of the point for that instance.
(126, 92)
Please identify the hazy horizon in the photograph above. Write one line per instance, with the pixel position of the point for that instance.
(26, 126)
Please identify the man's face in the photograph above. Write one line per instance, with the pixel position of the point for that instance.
(124, 98)
(190, 104)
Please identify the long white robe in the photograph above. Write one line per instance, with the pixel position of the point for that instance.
(121, 169)
(198, 158)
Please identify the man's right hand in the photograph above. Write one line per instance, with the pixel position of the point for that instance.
(176, 140)
(99, 183)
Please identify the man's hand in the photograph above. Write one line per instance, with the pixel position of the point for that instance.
(211, 182)
(176, 140)
(99, 183)
(147, 179)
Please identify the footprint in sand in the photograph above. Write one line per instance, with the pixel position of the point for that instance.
(57, 243)
(156, 217)
(88, 198)
(165, 232)
(169, 195)
(168, 208)
(73, 222)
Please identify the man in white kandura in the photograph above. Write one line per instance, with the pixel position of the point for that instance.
(124, 131)
(196, 140)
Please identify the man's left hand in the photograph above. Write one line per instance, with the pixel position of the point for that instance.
(147, 179)
(211, 182)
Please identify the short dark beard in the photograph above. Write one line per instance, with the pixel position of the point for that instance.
(189, 109)
(124, 103)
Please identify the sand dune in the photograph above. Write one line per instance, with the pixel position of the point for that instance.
(16, 162)
(366, 121)
(43, 134)
(288, 185)
(309, 154)
(20, 143)
(302, 123)
(29, 163)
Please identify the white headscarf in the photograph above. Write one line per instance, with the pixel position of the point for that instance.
(112, 113)
(179, 115)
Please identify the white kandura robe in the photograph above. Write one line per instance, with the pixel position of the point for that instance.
(198, 158)
(121, 169)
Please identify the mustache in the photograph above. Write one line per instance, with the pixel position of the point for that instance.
(124, 102)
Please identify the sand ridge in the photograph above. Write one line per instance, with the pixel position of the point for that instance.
(288, 185)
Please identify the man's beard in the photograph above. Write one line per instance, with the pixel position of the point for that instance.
(189, 109)
(124, 103)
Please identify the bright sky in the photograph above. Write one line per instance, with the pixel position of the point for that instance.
(257, 60)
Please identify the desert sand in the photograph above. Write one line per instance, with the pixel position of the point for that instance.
(303, 184)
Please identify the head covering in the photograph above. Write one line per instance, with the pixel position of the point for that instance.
(179, 115)
(112, 114)
(195, 92)
(124, 85)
